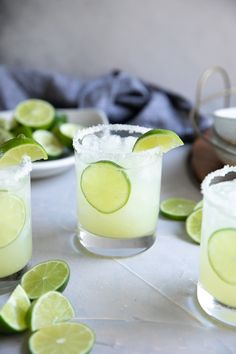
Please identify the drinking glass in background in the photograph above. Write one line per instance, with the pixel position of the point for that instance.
(118, 190)
(15, 221)
(217, 282)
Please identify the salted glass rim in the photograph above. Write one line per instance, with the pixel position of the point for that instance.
(17, 172)
(207, 183)
(78, 147)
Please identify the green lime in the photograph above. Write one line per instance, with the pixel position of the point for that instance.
(222, 254)
(59, 118)
(105, 186)
(199, 205)
(13, 151)
(5, 135)
(12, 220)
(66, 132)
(63, 338)
(177, 208)
(50, 143)
(44, 277)
(194, 225)
(166, 139)
(13, 313)
(21, 129)
(50, 308)
(35, 113)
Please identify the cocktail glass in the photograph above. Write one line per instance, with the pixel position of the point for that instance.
(118, 190)
(217, 282)
(15, 221)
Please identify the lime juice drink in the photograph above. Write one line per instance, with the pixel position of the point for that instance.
(217, 281)
(118, 189)
(15, 219)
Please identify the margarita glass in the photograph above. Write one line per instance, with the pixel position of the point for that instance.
(15, 221)
(217, 282)
(118, 190)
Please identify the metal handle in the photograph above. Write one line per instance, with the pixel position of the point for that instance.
(194, 114)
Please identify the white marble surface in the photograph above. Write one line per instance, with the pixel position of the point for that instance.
(145, 304)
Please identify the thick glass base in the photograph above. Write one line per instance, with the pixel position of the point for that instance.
(114, 247)
(214, 308)
(8, 283)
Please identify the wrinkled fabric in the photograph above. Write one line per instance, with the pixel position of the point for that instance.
(123, 97)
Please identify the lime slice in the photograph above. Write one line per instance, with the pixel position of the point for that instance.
(194, 225)
(35, 113)
(12, 220)
(49, 309)
(222, 254)
(177, 208)
(13, 313)
(166, 139)
(5, 136)
(63, 338)
(105, 186)
(66, 132)
(44, 277)
(199, 205)
(50, 143)
(13, 151)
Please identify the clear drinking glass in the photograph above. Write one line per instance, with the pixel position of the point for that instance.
(15, 221)
(217, 282)
(118, 190)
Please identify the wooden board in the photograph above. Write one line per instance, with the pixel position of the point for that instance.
(203, 159)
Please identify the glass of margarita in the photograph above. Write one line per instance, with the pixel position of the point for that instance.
(217, 282)
(15, 221)
(118, 190)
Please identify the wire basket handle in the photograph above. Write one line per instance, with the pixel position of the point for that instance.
(194, 114)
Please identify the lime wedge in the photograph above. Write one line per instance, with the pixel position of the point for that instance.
(177, 208)
(105, 186)
(35, 113)
(199, 205)
(166, 139)
(5, 135)
(63, 338)
(44, 277)
(49, 309)
(12, 220)
(66, 132)
(12, 151)
(13, 313)
(194, 225)
(222, 254)
(50, 143)
(21, 129)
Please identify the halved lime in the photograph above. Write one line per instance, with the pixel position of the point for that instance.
(12, 151)
(166, 139)
(49, 309)
(105, 186)
(35, 113)
(222, 254)
(44, 277)
(5, 135)
(66, 132)
(50, 143)
(194, 225)
(13, 313)
(12, 217)
(199, 205)
(63, 338)
(177, 208)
